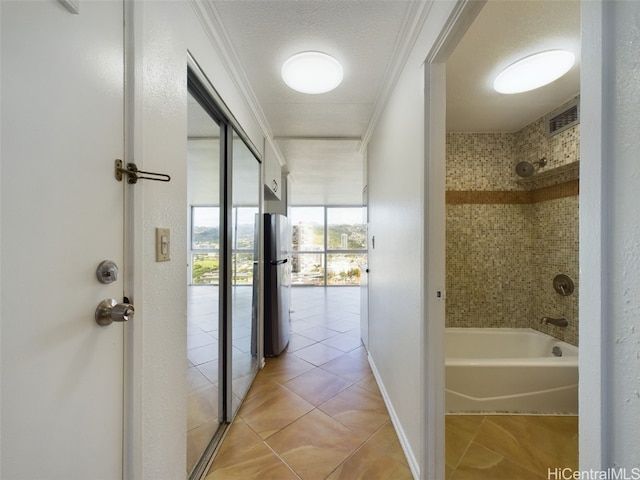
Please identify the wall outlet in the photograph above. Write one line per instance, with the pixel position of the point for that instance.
(163, 244)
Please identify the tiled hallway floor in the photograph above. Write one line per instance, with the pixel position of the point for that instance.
(315, 412)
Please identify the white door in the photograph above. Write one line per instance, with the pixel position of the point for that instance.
(62, 214)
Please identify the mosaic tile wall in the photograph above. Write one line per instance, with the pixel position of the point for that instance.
(481, 161)
(555, 250)
(532, 144)
(508, 237)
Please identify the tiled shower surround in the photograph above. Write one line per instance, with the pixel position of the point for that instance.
(507, 237)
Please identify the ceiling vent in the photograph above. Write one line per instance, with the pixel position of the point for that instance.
(563, 118)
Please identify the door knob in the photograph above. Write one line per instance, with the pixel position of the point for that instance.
(110, 311)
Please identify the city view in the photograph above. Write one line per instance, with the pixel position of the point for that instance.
(205, 246)
(308, 256)
(340, 261)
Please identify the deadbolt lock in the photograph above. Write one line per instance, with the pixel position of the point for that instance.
(107, 272)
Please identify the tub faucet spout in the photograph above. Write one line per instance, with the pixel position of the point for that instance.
(558, 322)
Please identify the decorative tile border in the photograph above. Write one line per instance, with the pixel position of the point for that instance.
(512, 197)
(562, 190)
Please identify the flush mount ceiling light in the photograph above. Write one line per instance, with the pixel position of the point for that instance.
(312, 72)
(534, 71)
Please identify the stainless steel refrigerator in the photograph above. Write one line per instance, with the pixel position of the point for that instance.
(277, 283)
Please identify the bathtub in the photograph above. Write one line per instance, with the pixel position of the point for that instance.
(509, 370)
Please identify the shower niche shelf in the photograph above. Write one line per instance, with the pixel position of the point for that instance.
(551, 176)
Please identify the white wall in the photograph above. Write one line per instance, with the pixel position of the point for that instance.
(609, 232)
(163, 33)
(621, 180)
(621, 185)
(610, 237)
(395, 274)
(398, 198)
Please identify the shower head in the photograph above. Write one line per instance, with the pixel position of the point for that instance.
(526, 169)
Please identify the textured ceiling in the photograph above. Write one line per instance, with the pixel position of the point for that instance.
(319, 135)
(361, 35)
(502, 33)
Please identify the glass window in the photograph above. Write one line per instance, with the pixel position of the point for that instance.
(344, 268)
(205, 228)
(205, 245)
(307, 269)
(345, 230)
(307, 229)
(244, 244)
(205, 268)
(331, 255)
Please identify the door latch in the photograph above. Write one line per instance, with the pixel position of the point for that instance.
(133, 174)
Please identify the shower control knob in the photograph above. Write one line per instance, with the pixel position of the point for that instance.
(110, 311)
(563, 284)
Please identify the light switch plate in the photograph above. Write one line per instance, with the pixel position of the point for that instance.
(163, 244)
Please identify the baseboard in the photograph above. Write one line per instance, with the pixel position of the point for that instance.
(404, 443)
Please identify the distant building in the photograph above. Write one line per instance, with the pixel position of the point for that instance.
(302, 239)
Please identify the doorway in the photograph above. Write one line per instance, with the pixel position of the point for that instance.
(497, 265)
(223, 259)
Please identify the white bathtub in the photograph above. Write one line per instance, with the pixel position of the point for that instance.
(509, 370)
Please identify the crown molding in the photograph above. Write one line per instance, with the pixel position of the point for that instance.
(413, 21)
(217, 34)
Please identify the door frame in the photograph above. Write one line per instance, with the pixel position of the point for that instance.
(593, 275)
(591, 421)
(434, 207)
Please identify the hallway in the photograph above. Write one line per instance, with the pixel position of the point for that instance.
(315, 412)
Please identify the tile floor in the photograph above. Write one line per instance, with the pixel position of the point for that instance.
(315, 412)
(202, 362)
(202, 371)
(509, 447)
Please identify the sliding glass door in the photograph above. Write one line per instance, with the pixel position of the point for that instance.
(224, 190)
(203, 291)
(245, 174)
